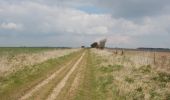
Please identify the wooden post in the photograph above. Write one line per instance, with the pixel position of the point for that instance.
(154, 59)
(122, 52)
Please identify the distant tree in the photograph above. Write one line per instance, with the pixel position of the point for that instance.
(94, 45)
(102, 43)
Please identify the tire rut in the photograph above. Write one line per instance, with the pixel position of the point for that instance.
(73, 85)
(43, 93)
(62, 83)
(44, 82)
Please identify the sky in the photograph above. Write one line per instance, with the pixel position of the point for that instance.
(73, 23)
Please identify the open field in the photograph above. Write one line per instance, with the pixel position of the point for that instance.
(13, 59)
(135, 74)
(84, 74)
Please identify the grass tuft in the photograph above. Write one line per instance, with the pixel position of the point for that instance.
(104, 81)
(145, 69)
(162, 77)
(129, 80)
(111, 68)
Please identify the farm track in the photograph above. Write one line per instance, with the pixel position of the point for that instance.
(89, 74)
(62, 82)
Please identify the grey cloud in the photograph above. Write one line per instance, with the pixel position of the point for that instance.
(129, 23)
(131, 9)
(134, 8)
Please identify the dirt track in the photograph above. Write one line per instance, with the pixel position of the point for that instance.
(89, 74)
(52, 87)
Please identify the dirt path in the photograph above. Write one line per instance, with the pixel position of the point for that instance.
(73, 89)
(59, 87)
(36, 88)
(60, 84)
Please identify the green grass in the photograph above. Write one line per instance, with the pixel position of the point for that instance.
(106, 69)
(98, 80)
(162, 77)
(16, 83)
(111, 68)
(129, 80)
(145, 69)
(17, 50)
(66, 93)
(104, 81)
(87, 90)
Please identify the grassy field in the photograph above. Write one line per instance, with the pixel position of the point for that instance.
(133, 75)
(86, 74)
(13, 59)
(14, 84)
(18, 50)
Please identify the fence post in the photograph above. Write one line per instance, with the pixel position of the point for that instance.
(154, 59)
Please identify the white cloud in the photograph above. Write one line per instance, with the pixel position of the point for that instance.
(67, 20)
(10, 26)
(99, 29)
(119, 39)
(44, 18)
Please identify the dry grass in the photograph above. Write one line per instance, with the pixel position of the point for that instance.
(138, 78)
(11, 63)
(16, 84)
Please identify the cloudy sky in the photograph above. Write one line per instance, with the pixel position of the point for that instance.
(125, 23)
